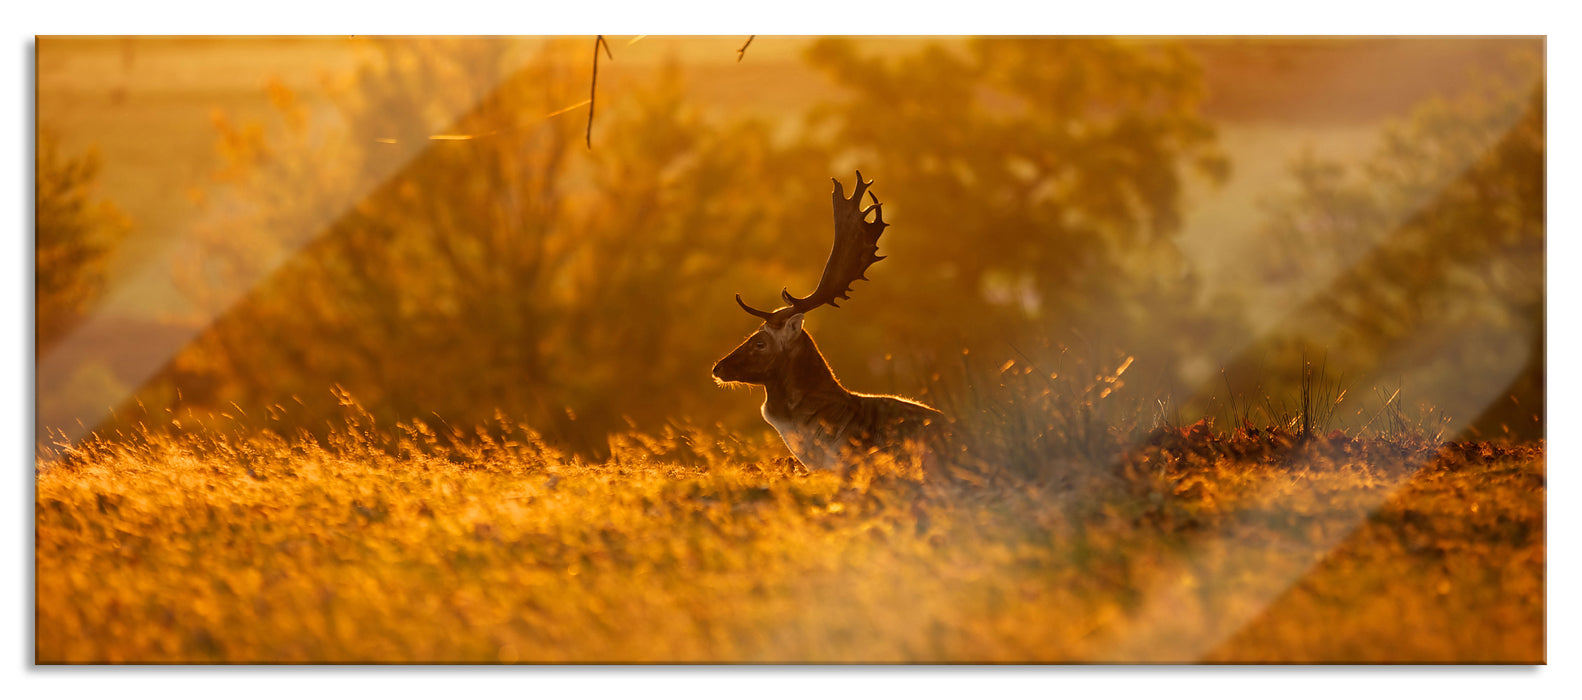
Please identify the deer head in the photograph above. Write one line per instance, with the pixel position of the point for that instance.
(765, 352)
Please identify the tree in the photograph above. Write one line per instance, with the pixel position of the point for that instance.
(75, 235)
(508, 267)
(1042, 187)
(504, 269)
(1432, 253)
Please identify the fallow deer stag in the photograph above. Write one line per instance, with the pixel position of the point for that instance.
(824, 425)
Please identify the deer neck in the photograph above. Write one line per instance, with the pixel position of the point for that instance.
(806, 384)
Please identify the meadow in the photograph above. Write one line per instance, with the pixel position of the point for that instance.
(421, 544)
(435, 226)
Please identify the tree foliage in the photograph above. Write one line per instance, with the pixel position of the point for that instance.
(1035, 188)
(504, 271)
(1436, 242)
(75, 236)
(1042, 179)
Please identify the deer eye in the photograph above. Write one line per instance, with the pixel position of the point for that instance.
(759, 345)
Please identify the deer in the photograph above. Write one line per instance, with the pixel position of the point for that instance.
(825, 426)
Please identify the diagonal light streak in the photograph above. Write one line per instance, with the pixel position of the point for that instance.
(91, 403)
(1239, 564)
(1248, 570)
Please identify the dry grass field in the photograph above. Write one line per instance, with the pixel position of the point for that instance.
(410, 545)
(228, 226)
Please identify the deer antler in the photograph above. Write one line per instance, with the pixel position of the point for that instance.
(765, 315)
(856, 247)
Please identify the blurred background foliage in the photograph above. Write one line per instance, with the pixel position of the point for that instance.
(1433, 252)
(78, 231)
(1037, 189)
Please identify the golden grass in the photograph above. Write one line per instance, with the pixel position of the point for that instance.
(692, 547)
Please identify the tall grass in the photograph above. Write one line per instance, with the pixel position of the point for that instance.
(1053, 540)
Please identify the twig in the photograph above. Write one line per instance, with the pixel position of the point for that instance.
(1229, 394)
(1307, 398)
(743, 50)
(593, 86)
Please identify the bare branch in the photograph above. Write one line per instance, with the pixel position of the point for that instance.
(743, 50)
(593, 86)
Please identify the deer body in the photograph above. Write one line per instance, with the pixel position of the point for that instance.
(824, 425)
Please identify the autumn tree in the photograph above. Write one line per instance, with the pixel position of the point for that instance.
(75, 237)
(1038, 192)
(505, 267)
(1035, 187)
(1427, 258)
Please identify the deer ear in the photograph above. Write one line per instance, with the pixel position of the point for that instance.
(792, 326)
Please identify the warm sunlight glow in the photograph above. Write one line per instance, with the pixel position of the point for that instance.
(566, 109)
(1145, 349)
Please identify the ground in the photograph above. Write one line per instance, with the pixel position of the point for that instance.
(690, 546)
